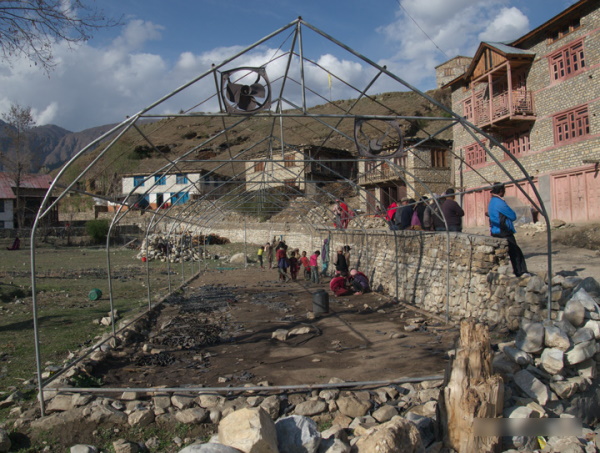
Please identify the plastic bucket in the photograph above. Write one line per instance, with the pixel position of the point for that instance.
(320, 302)
(95, 294)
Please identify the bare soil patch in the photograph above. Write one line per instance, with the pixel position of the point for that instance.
(218, 333)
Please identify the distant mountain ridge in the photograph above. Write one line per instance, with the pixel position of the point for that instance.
(51, 145)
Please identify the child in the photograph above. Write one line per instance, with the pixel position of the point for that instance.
(314, 267)
(293, 265)
(260, 252)
(306, 263)
(338, 285)
(282, 264)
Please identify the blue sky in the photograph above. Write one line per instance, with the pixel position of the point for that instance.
(160, 45)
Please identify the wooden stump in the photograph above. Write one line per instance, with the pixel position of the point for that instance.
(471, 391)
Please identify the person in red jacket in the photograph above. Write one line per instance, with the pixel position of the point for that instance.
(338, 285)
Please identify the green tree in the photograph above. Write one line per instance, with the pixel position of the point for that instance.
(30, 27)
(16, 161)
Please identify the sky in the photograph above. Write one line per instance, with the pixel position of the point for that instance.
(161, 45)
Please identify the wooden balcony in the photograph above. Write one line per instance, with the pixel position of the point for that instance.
(504, 108)
(379, 175)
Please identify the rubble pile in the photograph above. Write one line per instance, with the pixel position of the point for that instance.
(177, 248)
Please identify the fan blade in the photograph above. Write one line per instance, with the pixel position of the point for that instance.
(246, 103)
(257, 90)
(233, 92)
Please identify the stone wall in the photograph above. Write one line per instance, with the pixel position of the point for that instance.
(414, 266)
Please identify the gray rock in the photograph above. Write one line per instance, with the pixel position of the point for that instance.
(352, 406)
(297, 434)
(587, 369)
(209, 448)
(566, 327)
(387, 437)
(535, 284)
(574, 312)
(5, 442)
(530, 338)
(384, 413)
(582, 334)
(516, 355)
(239, 258)
(552, 360)
(141, 418)
(124, 446)
(556, 338)
(191, 416)
(532, 386)
(182, 401)
(272, 404)
(80, 448)
(311, 407)
(249, 429)
(594, 326)
(333, 445)
(425, 425)
(580, 352)
(564, 389)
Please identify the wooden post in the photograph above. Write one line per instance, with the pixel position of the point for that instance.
(470, 391)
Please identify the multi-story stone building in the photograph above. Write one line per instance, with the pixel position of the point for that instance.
(540, 97)
(304, 167)
(422, 170)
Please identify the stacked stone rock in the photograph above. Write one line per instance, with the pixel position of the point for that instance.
(551, 367)
(399, 416)
(154, 247)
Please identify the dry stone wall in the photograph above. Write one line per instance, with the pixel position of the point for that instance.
(415, 267)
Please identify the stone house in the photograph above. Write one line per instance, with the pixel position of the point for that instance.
(539, 96)
(32, 190)
(423, 169)
(304, 167)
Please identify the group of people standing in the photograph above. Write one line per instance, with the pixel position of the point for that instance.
(447, 214)
(426, 214)
(345, 280)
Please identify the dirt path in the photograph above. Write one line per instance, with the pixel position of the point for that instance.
(354, 341)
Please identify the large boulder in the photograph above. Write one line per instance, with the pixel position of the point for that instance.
(530, 337)
(296, 434)
(250, 430)
(394, 436)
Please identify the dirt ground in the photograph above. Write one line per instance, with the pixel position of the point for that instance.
(354, 341)
(218, 331)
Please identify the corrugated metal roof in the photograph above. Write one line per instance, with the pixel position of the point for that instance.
(28, 181)
(508, 50)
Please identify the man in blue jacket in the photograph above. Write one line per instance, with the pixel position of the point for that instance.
(501, 226)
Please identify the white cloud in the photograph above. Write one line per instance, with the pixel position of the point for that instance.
(46, 116)
(507, 26)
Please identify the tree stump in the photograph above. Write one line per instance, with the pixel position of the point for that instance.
(470, 391)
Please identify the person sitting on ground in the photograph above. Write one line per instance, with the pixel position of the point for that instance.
(359, 282)
(16, 245)
(338, 285)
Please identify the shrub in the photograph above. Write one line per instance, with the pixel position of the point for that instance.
(97, 230)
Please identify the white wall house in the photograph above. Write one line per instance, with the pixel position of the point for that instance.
(153, 191)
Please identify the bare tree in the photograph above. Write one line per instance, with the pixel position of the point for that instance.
(18, 158)
(30, 27)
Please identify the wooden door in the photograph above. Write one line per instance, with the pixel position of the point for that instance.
(592, 179)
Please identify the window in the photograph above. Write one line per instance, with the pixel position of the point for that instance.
(289, 160)
(1, 205)
(400, 161)
(181, 179)
(259, 166)
(567, 62)
(439, 158)
(138, 181)
(1, 223)
(468, 109)
(518, 143)
(475, 155)
(160, 180)
(571, 125)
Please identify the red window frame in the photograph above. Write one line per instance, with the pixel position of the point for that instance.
(259, 166)
(571, 125)
(468, 109)
(475, 155)
(567, 62)
(289, 160)
(518, 143)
